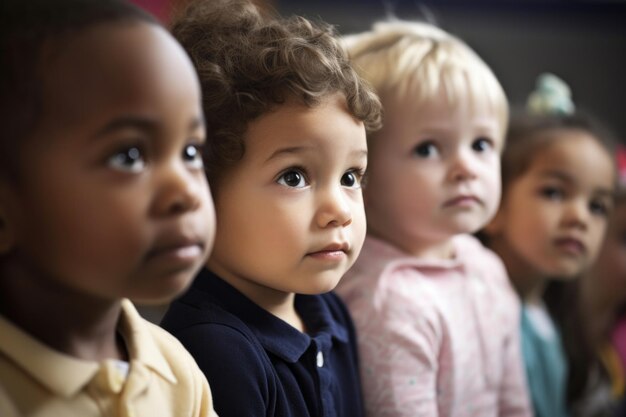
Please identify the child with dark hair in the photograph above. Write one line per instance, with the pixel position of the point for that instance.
(103, 198)
(287, 118)
(590, 313)
(558, 181)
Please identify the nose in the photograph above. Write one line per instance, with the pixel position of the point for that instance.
(462, 166)
(180, 189)
(334, 208)
(577, 213)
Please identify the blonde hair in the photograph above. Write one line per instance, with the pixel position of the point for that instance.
(418, 60)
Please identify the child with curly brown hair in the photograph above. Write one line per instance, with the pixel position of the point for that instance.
(287, 119)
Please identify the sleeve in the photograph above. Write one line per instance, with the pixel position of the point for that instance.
(398, 347)
(205, 407)
(513, 399)
(234, 367)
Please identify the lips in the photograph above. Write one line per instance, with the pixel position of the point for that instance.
(571, 245)
(462, 200)
(177, 247)
(331, 251)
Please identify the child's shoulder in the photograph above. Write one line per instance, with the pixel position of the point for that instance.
(478, 257)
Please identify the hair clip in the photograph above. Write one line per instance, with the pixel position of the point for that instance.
(551, 97)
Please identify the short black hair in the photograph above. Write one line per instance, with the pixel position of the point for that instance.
(25, 27)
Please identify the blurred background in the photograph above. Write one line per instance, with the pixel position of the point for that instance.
(583, 42)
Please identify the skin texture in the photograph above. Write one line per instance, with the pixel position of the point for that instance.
(111, 200)
(290, 213)
(433, 173)
(554, 216)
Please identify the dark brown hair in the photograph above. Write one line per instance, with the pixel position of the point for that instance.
(249, 62)
(529, 134)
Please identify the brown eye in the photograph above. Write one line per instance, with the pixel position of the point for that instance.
(292, 178)
(128, 160)
(193, 156)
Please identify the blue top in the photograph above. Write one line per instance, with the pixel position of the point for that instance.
(544, 358)
(257, 364)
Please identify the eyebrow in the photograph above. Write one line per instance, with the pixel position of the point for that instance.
(141, 123)
(298, 149)
(567, 178)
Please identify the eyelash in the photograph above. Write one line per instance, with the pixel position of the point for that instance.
(358, 173)
(488, 141)
(138, 157)
(427, 145)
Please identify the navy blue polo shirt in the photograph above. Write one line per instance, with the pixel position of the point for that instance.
(257, 364)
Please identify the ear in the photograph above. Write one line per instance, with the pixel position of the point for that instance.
(7, 226)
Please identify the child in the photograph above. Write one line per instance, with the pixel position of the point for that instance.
(558, 181)
(434, 312)
(590, 313)
(286, 156)
(102, 197)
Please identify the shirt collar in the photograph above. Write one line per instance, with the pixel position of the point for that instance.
(140, 342)
(378, 248)
(65, 375)
(274, 334)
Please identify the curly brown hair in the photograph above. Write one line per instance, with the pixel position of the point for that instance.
(250, 61)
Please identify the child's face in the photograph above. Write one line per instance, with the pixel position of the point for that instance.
(290, 213)
(553, 217)
(434, 172)
(112, 200)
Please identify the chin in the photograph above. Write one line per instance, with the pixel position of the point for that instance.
(321, 287)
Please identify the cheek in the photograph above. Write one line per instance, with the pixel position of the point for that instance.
(358, 221)
(598, 233)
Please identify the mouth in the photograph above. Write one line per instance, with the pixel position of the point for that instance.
(462, 201)
(334, 251)
(571, 246)
(181, 249)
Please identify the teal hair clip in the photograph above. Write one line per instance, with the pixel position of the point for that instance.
(552, 96)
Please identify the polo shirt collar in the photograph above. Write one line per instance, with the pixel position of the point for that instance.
(65, 375)
(274, 334)
(140, 342)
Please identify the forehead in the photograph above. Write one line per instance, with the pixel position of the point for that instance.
(328, 125)
(440, 112)
(113, 67)
(580, 157)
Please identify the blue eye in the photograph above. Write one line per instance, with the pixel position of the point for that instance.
(426, 149)
(292, 178)
(482, 144)
(128, 160)
(192, 155)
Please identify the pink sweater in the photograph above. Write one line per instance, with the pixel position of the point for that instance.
(436, 337)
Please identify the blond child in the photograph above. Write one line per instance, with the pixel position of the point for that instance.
(558, 184)
(102, 198)
(436, 318)
(287, 117)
